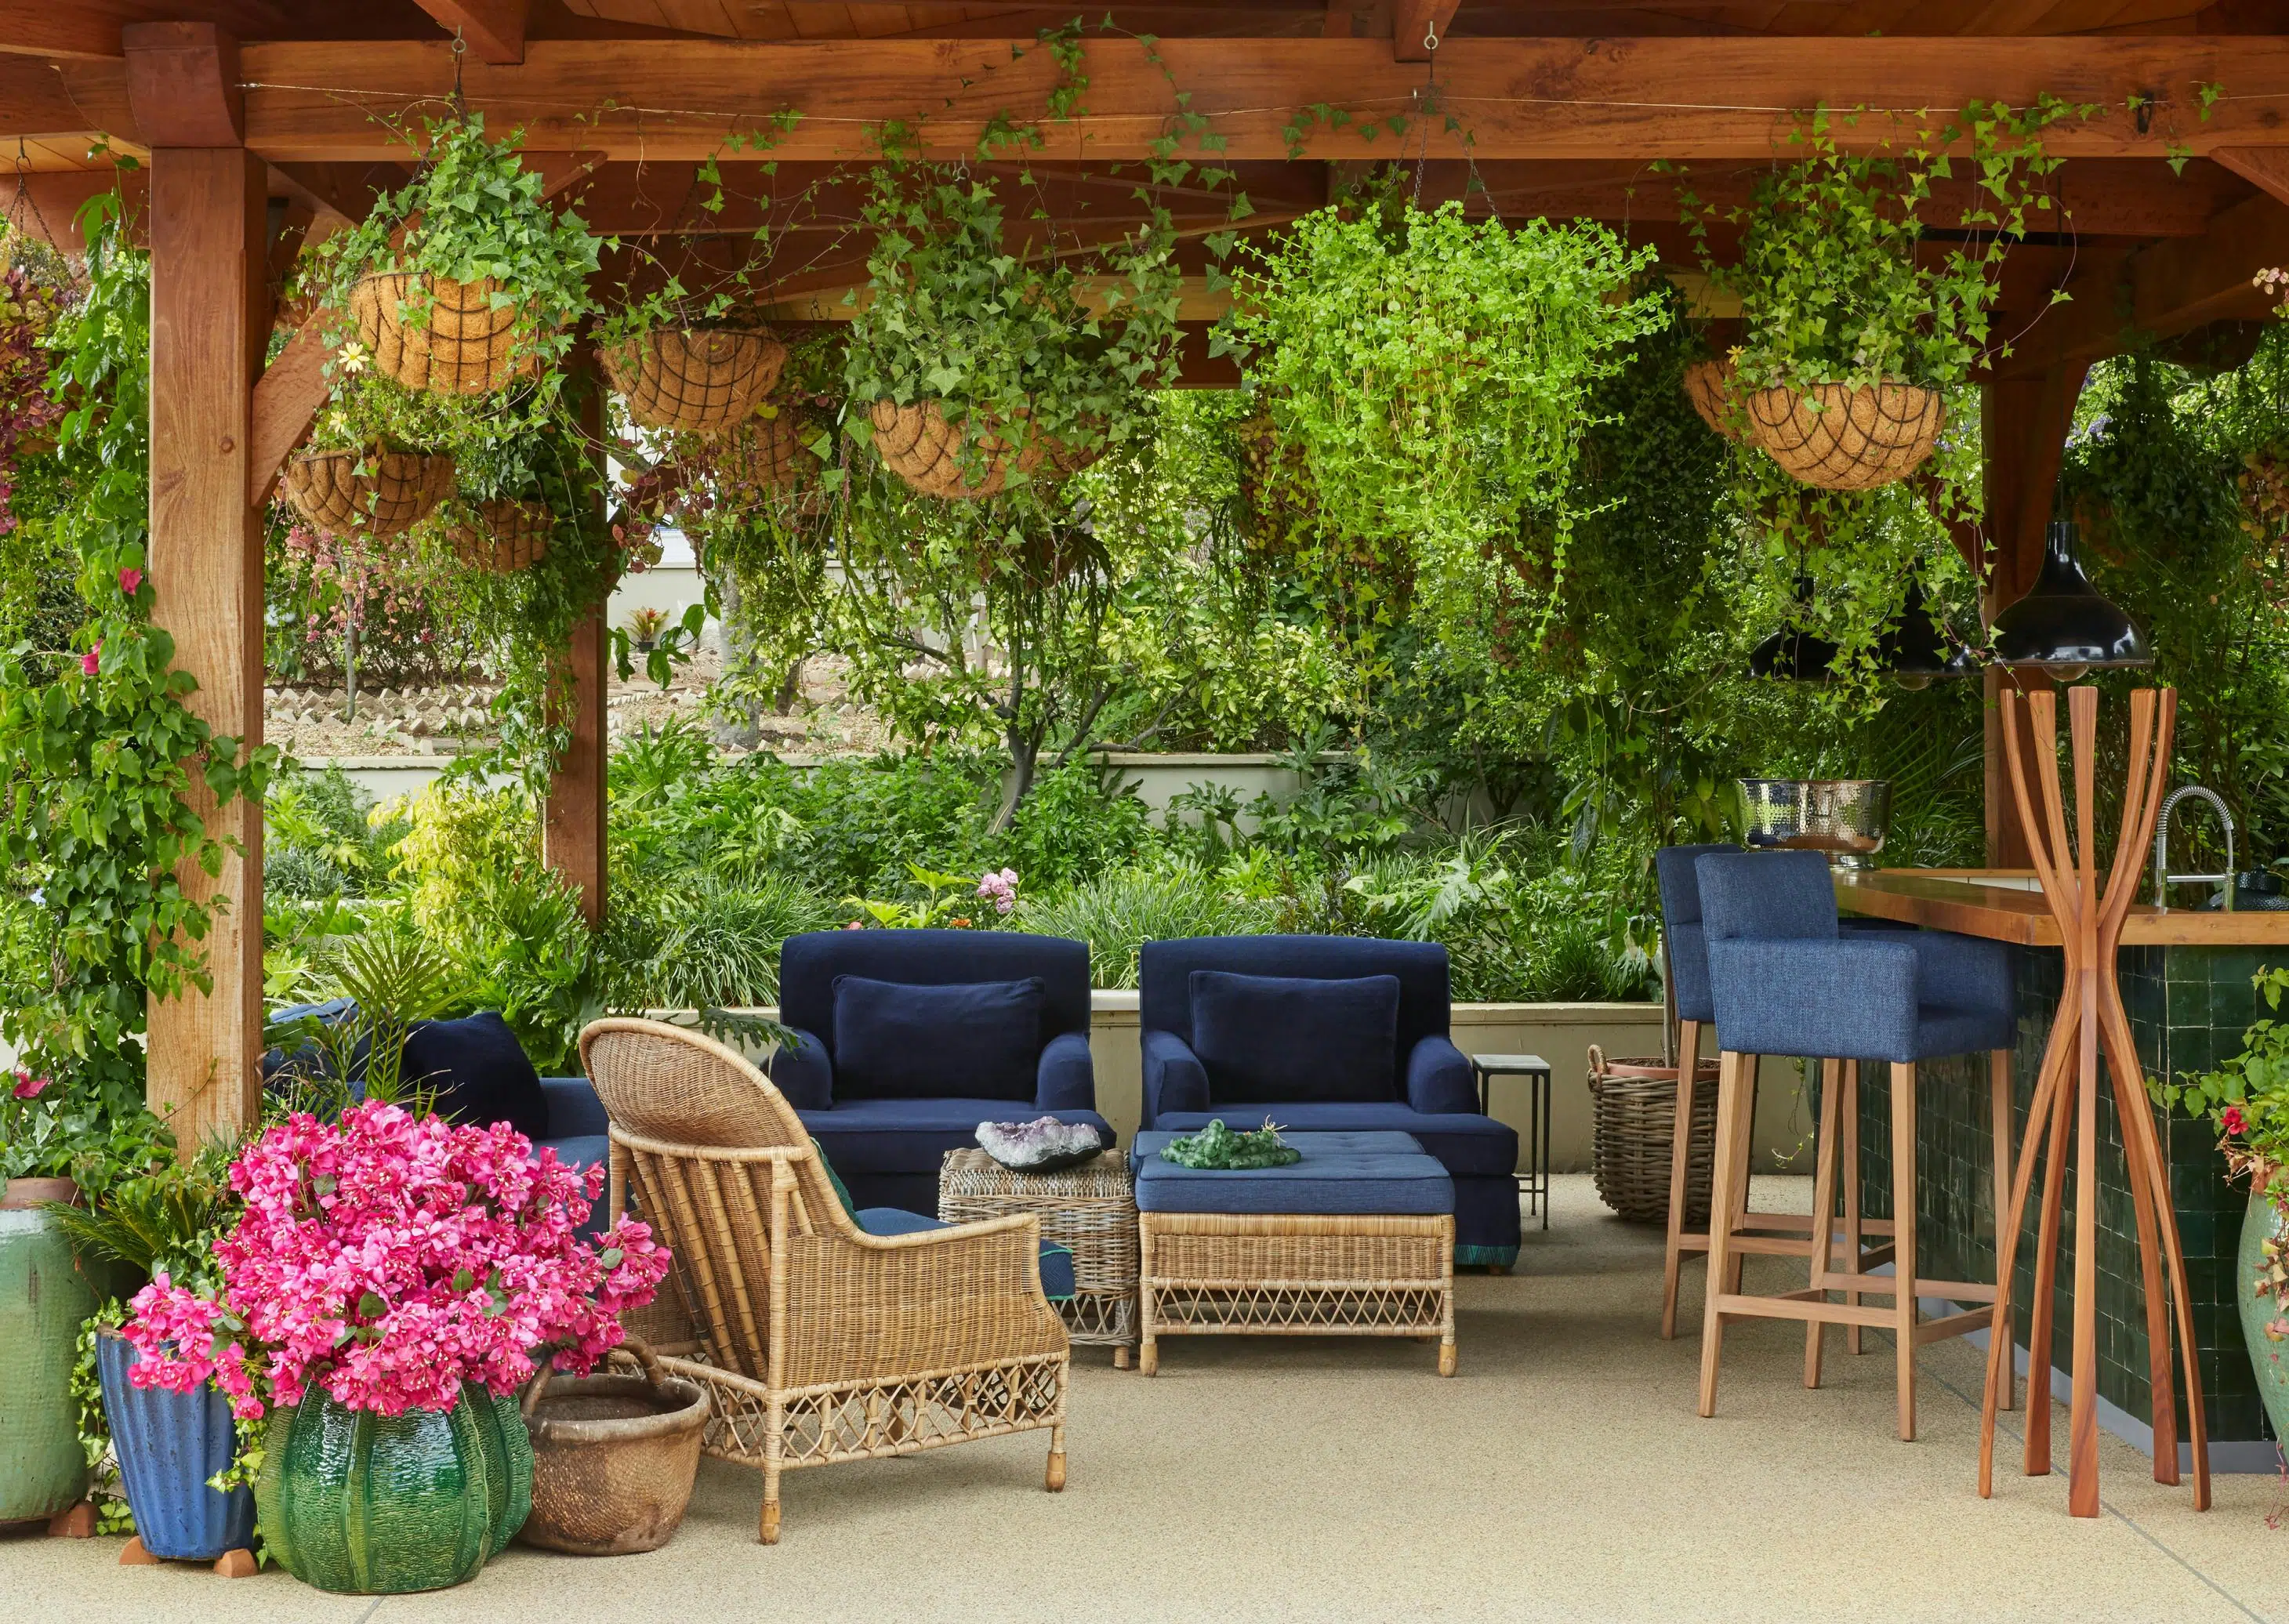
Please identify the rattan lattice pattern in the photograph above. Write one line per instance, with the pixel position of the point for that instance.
(1632, 1134)
(701, 378)
(395, 490)
(463, 344)
(1839, 437)
(1090, 1209)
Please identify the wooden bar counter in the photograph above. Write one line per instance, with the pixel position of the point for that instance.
(2185, 974)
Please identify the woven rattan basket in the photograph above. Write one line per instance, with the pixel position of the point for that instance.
(397, 490)
(1090, 1209)
(465, 346)
(507, 536)
(1635, 1103)
(922, 448)
(1839, 437)
(1709, 385)
(702, 379)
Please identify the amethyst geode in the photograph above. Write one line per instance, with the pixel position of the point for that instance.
(1043, 1145)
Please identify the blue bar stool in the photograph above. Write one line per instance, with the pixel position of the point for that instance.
(1784, 980)
(1686, 953)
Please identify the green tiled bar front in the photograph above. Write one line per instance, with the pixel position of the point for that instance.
(2188, 1006)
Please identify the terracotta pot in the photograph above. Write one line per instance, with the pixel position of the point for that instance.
(21, 1193)
(613, 1457)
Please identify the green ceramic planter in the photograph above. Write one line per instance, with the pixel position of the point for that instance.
(377, 1505)
(43, 1299)
(2270, 1359)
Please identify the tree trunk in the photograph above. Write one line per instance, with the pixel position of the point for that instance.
(741, 730)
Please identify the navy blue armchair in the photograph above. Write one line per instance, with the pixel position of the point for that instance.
(1326, 1034)
(906, 1040)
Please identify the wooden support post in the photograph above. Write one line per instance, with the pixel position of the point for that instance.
(572, 823)
(2023, 423)
(210, 317)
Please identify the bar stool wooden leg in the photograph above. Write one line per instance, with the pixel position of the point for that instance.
(1853, 1342)
(1742, 1142)
(1999, 1085)
(1735, 1101)
(1903, 1238)
(2042, 1311)
(1824, 1209)
(1680, 1148)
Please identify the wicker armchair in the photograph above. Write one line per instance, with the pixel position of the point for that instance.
(822, 1343)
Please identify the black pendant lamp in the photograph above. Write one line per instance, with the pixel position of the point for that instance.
(1793, 654)
(2062, 625)
(1911, 651)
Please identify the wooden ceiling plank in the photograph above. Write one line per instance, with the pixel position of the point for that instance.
(57, 28)
(493, 29)
(1685, 99)
(2265, 168)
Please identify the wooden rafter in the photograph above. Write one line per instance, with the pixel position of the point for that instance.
(1690, 99)
(494, 28)
(1415, 23)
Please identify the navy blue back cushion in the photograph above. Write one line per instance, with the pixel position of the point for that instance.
(1686, 943)
(1769, 896)
(971, 1040)
(810, 963)
(1287, 1039)
(476, 1072)
(1165, 987)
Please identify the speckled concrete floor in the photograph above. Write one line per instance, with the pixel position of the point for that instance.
(1563, 1475)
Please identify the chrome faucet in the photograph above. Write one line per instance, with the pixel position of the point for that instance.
(2163, 879)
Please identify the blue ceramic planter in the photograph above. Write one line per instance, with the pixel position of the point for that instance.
(169, 1444)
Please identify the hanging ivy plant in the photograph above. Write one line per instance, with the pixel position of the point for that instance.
(1436, 373)
(464, 279)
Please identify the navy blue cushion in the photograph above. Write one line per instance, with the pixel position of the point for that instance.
(870, 1136)
(810, 963)
(1464, 1144)
(1777, 895)
(1685, 944)
(1382, 1174)
(476, 1070)
(573, 1108)
(1164, 983)
(970, 1039)
(1293, 1037)
(1056, 1261)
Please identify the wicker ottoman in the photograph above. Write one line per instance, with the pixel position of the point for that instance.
(1356, 1239)
(1091, 1210)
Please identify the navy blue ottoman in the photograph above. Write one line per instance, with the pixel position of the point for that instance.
(1355, 1239)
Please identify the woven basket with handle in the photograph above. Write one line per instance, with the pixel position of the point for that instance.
(377, 493)
(1843, 437)
(1629, 1142)
(507, 536)
(462, 344)
(702, 379)
(922, 448)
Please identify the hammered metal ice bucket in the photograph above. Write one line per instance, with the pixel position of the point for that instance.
(613, 1457)
(1846, 818)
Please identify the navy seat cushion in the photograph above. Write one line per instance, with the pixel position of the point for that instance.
(1382, 1174)
(870, 1136)
(1295, 1037)
(1056, 1261)
(1465, 1145)
(979, 1039)
(476, 1070)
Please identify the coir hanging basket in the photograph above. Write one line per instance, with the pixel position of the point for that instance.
(1843, 437)
(461, 344)
(1709, 385)
(766, 453)
(374, 493)
(922, 448)
(701, 379)
(1631, 1137)
(507, 536)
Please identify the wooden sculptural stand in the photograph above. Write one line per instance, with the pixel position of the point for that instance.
(2090, 1015)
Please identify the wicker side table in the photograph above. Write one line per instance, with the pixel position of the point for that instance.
(1090, 1209)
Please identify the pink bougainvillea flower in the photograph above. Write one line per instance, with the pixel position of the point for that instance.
(27, 1087)
(2234, 1122)
(129, 580)
(93, 659)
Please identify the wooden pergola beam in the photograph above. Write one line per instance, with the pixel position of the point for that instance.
(494, 28)
(1697, 99)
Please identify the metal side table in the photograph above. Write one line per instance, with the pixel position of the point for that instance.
(1533, 1182)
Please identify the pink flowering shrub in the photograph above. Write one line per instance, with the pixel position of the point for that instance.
(389, 1259)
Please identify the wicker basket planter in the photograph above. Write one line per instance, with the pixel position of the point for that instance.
(766, 453)
(466, 345)
(922, 448)
(507, 536)
(395, 491)
(702, 379)
(1632, 1134)
(1839, 437)
(1709, 385)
